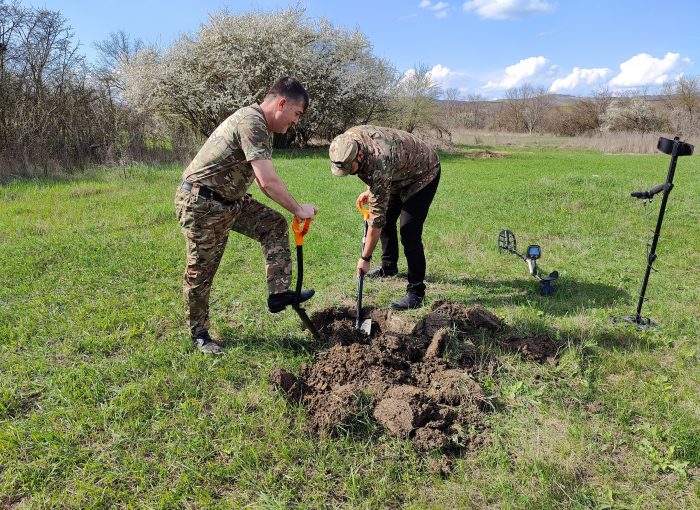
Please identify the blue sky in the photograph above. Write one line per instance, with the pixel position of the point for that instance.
(477, 46)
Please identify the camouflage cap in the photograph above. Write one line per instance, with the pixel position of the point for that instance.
(342, 152)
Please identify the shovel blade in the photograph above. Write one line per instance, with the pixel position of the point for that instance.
(366, 326)
(306, 321)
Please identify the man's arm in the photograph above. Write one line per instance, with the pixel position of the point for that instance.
(371, 241)
(372, 237)
(272, 186)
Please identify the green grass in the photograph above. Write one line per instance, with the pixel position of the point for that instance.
(103, 402)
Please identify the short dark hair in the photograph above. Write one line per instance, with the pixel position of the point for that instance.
(291, 89)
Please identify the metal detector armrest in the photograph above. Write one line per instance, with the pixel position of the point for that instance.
(666, 146)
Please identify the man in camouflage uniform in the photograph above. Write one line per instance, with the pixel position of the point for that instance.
(212, 201)
(402, 174)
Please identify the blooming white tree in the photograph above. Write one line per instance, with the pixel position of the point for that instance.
(234, 59)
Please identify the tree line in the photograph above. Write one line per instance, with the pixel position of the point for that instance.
(530, 109)
(145, 103)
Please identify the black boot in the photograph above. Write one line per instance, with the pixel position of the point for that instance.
(382, 272)
(278, 302)
(204, 343)
(408, 302)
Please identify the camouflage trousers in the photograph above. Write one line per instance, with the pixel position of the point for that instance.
(206, 224)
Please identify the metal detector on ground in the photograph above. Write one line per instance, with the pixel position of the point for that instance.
(675, 148)
(508, 244)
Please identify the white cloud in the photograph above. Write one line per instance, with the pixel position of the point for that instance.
(529, 69)
(504, 9)
(440, 75)
(580, 77)
(643, 69)
(439, 8)
(440, 72)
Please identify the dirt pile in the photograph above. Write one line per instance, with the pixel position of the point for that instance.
(400, 376)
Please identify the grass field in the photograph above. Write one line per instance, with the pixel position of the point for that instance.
(104, 404)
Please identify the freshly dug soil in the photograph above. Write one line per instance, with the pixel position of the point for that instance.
(485, 154)
(399, 376)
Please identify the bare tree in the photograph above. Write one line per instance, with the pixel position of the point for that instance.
(416, 100)
(476, 111)
(526, 107)
(452, 105)
(11, 20)
(113, 54)
(584, 116)
(682, 101)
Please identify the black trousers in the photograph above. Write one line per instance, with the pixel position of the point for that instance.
(412, 214)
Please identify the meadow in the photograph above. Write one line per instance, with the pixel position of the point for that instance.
(105, 404)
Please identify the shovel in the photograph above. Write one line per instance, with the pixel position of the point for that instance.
(299, 233)
(364, 325)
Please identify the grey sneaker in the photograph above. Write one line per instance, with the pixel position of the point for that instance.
(204, 343)
(382, 272)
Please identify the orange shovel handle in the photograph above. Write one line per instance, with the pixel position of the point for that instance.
(299, 230)
(364, 212)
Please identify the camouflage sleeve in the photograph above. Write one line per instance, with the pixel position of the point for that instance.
(379, 192)
(255, 140)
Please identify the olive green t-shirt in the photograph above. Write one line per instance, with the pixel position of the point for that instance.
(223, 162)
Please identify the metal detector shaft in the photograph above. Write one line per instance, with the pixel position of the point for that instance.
(678, 149)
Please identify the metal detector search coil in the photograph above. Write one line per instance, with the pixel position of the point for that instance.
(508, 244)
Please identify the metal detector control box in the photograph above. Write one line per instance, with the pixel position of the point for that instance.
(508, 244)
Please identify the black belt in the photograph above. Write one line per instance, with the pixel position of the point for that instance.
(207, 193)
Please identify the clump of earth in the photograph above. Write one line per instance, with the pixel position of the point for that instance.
(417, 380)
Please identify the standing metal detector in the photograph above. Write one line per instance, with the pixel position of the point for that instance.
(675, 148)
(508, 244)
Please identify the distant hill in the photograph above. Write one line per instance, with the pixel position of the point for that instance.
(557, 99)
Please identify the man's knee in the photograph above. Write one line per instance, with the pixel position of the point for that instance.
(275, 229)
(196, 276)
(411, 236)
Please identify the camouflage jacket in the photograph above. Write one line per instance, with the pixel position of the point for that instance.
(396, 162)
(223, 162)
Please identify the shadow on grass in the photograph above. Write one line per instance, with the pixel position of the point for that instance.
(571, 297)
(569, 294)
(296, 343)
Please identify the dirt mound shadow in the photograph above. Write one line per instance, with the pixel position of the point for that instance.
(400, 377)
(485, 154)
